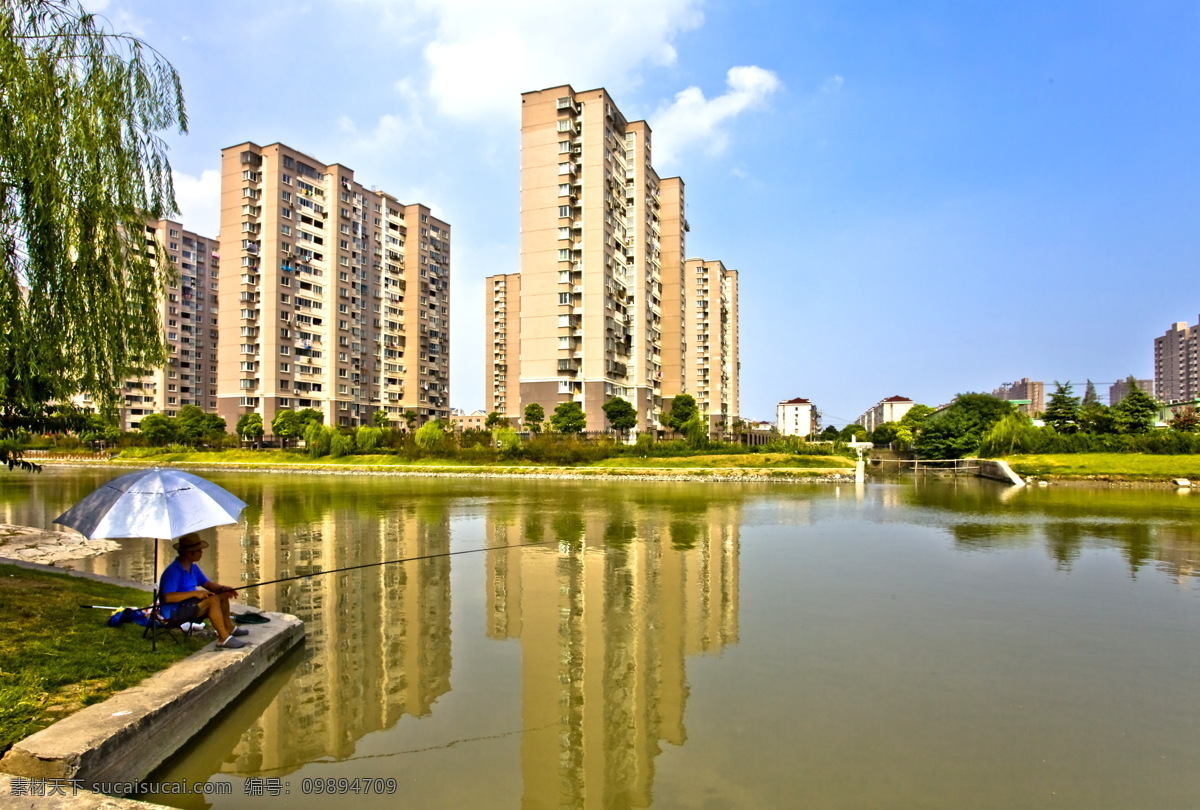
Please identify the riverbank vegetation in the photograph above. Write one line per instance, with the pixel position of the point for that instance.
(56, 657)
(983, 425)
(301, 437)
(1107, 466)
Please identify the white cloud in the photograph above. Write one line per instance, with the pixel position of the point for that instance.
(391, 131)
(484, 53)
(199, 201)
(833, 84)
(693, 120)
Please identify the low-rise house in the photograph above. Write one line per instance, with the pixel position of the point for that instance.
(891, 409)
(794, 417)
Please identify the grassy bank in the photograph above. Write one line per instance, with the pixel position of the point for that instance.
(1116, 466)
(287, 458)
(747, 461)
(56, 657)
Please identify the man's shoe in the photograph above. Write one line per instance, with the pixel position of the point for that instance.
(231, 643)
(240, 631)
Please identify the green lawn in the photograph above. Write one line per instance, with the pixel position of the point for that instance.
(56, 657)
(1118, 465)
(748, 460)
(283, 458)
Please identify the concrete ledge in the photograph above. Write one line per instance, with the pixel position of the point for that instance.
(999, 471)
(124, 738)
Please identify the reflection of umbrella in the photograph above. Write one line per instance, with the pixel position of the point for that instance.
(160, 503)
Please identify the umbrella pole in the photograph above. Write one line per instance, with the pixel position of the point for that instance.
(154, 610)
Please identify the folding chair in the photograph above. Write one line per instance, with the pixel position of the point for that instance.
(183, 613)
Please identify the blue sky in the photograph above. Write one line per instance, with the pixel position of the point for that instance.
(922, 198)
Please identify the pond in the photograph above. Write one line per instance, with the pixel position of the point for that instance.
(930, 643)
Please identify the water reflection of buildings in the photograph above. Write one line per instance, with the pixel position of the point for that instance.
(378, 639)
(606, 614)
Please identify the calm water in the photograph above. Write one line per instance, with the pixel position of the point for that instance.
(938, 644)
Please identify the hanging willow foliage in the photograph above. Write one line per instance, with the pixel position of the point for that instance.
(81, 169)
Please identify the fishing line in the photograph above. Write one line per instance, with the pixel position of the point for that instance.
(385, 562)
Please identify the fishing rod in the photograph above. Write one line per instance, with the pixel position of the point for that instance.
(384, 562)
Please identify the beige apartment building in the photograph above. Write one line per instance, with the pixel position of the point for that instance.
(891, 409)
(1120, 389)
(336, 295)
(1176, 358)
(712, 330)
(503, 322)
(600, 307)
(188, 313)
(1029, 395)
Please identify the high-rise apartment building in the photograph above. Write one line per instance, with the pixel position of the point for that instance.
(188, 312)
(336, 296)
(1176, 376)
(712, 330)
(601, 304)
(504, 325)
(1120, 389)
(1029, 395)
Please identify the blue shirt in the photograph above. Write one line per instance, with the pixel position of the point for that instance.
(176, 578)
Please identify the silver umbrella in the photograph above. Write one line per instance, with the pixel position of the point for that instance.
(160, 503)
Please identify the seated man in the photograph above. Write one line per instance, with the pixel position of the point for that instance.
(183, 579)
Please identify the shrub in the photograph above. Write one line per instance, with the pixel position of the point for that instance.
(340, 444)
(367, 439)
(317, 438)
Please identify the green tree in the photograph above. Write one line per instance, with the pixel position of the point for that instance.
(1089, 393)
(620, 414)
(494, 420)
(430, 436)
(367, 438)
(1062, 411)
(380, 418)
(194, 426)
(340, 444)
(829, 434)
(1014, 433)
(1096, 418)
(568, 417)
(81, 166)
(157, 429)
(695, 431)
(250, 428)
(507, 441)
(100, 428)
(410, 419)
(287, 424)
(1186, 420)
(957, 431)
(535, 415)
(1136, 412)
(683, 410)
(853, 433)
(317, 439)
(885, 432)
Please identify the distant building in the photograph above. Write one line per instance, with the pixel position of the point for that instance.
(461, 420)
(891, 409)
(794, 417)
(1120, 389)
(1176, 376)
(1029, 397)
(334, 295)
(188, 312)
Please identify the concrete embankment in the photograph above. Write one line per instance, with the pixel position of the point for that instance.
(124, 738)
